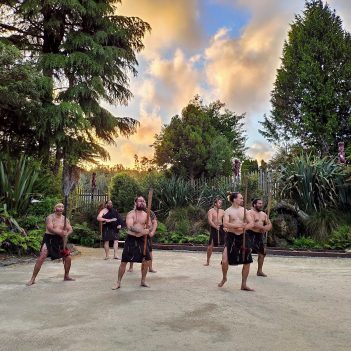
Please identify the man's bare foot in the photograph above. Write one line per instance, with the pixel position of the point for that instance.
(246, 288)
(68, 279)
(130, 270)
(31, 282)
(106, 258)
(224, 280)
(206, 264)
(117, 286)
(261, 274)
(116, 258)
(152, 270)
(144, 285)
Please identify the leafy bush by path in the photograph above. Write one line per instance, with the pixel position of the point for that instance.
(340, 238)
(305, 243)
(44, 207)
(20, 244)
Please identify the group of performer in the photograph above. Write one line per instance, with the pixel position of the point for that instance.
(240, 232)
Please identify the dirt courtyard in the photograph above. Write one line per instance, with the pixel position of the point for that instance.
(304, 304)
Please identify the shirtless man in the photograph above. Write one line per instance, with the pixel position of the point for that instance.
(52, 245)
(149, 243)
(262, 224)
(215, 220)
(133, 250)
(233, 222)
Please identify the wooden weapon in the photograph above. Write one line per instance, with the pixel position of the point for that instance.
(148, 213)
(218, 224)
(244, 234)
(269, 206)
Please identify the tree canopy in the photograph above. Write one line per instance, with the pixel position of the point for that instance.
(312, 92)
(85, 52)
(201, 142)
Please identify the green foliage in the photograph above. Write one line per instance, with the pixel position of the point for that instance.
(32, 222)
(44, 207)
(305, 243)
(197, 143)
(312, 91)
(172, 193)
(85, 53)
(310, 182)
(340, 238)
(19, 243)
(321, 224)
(16, 184)
(84, 235)
(123, 190)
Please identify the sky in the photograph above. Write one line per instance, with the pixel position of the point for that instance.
(219, 49)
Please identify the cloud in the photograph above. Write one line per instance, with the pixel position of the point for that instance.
(260, 151)
(172, 22)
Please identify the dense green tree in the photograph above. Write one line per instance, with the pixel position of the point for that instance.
(22, 87)
(200, 141)
(86, 51)
(312, 92)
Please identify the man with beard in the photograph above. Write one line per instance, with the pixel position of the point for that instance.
(215, 220)
(133, 250)
(111, 224)
(52, 246)
(262, 224)
(149, 243)
(235, 252)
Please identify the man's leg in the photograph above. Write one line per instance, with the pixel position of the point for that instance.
(115, 249)
(121, 271)
(260, 261)
(209, 253)
(107, 249)
(67, 265)
(144, 268)
(42, 256)
(245, 273)
(224, 267)
(130, 267)
(150, 265)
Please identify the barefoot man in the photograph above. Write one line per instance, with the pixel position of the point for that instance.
(215, 220)
(235, 225)
(149, 243)
(134, 245)
(262, 224)
(52, 245)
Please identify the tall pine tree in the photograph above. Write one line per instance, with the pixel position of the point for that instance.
(312, 92)
(86, 51)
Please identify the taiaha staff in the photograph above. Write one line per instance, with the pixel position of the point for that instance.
(148, 213)
(269, 206)
(244, 234)
(218, 225)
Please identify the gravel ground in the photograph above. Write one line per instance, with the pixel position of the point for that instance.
(304, 304)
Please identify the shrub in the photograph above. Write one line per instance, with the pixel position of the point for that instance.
(32, 222)
(84, 235)
(44, 207)
(18, 243)
(305, 243)
(123, 190)
(340, 238)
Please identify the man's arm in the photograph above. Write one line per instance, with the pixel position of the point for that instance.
(69, 229)
(209, 218)
(249, 222)
(137, 231)
(153, 227)
(100, 218)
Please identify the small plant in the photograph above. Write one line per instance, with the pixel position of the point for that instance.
(305, 243)
(340, 239)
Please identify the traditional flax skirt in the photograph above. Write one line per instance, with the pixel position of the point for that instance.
(109, 233)
(54, 245)
(133, 250)
(234, 245)
(256, 242)
(214, 237)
